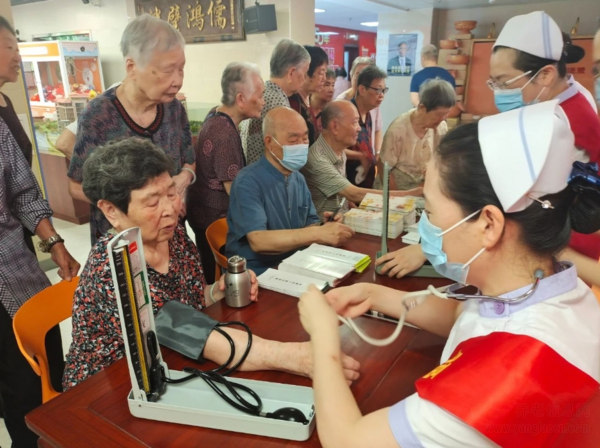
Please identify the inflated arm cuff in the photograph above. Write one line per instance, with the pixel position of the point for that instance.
(183, 329)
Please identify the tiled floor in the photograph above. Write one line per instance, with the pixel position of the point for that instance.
(77, 240)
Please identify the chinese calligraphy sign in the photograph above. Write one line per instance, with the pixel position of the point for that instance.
(199, 20)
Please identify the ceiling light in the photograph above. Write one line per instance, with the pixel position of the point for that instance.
(327, 33)
(369, 23)
(319, 10)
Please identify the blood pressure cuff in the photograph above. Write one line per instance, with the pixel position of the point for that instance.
(183, 329)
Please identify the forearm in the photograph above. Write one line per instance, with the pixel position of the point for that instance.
(353, 155)
(264, 354)
(282, 241)
(588, 269)
(378, 141)
(45, 229)
(76, 191)
(335, 406)
(435, 315)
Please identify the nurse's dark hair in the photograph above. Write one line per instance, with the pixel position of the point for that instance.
(318, 57)
(464, 179)
(5, 24)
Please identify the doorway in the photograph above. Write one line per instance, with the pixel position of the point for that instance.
(350, 54)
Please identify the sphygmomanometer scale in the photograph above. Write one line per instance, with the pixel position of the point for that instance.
(193, 402)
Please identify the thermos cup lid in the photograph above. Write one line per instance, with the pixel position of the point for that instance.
(236, 264)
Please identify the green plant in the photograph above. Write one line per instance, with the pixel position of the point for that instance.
(195, 126)
(47, 127)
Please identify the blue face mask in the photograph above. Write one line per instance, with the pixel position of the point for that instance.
(431, 243)
(294, 156)
(509, 99)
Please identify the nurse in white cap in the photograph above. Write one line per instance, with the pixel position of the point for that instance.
(528, 65)
(499, 207)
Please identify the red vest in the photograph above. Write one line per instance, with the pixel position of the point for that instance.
(512, 388)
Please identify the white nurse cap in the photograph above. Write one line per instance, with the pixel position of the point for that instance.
(527, 152)
(534, 33)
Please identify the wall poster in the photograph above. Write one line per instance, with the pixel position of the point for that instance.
(402, 54)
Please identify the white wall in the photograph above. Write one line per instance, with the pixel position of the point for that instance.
(106, 24)
(565, 14)
(205, 61)
(420, 21)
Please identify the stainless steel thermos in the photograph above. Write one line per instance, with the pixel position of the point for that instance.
(237, 283)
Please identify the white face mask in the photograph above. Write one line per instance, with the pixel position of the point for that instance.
(294, 156)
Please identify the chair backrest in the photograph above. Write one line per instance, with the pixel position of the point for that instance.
(34, 319)
(216, 234)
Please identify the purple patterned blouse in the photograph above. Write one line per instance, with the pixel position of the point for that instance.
(220, 158)
(105, 119)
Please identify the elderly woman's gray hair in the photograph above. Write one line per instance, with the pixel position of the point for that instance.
(436, 93)
(147, 34)
(113, 171)
(287, 54)
(361, 60)
(429, 53)
(237, 78)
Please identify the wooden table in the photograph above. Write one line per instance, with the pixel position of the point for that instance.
(95, 413)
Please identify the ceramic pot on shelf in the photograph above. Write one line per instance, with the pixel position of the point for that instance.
(465, 26)
(449, 44)
(458, 59)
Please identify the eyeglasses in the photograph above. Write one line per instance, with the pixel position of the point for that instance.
(379, 91)
(596, 70)
(493, 85)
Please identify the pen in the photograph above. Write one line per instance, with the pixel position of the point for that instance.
(378, 315)
(337, 210)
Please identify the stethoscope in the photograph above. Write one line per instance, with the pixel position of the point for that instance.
(413, 299)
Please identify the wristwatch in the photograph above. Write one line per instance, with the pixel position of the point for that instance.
(46, 245)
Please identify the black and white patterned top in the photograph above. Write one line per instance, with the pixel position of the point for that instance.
(251, 129)
(21, 204)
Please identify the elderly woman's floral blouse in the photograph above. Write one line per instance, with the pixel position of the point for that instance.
(105, 119)
(97, 340)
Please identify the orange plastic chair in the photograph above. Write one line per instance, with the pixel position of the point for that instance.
(34, 319)
(216, 234)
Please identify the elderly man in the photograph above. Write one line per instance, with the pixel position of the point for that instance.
(144, 105)
(219, 153)
(271, 214)
(429, 57)
(289, 64)
(21, 277)
(357, 66)
(320, 98)
(325, 170)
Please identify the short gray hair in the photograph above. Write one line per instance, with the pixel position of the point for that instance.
(237, 77)
(113, 171)
(287, 54)
(429, 52)
(435, 93)
(146, 34)
(361, 60)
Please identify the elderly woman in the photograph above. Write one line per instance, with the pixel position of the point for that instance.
(357, 66)
(320, 98)
(219, 153)
(412, 138)
(144, 105)
(289, 64)
(315, 78)
(130, 181)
